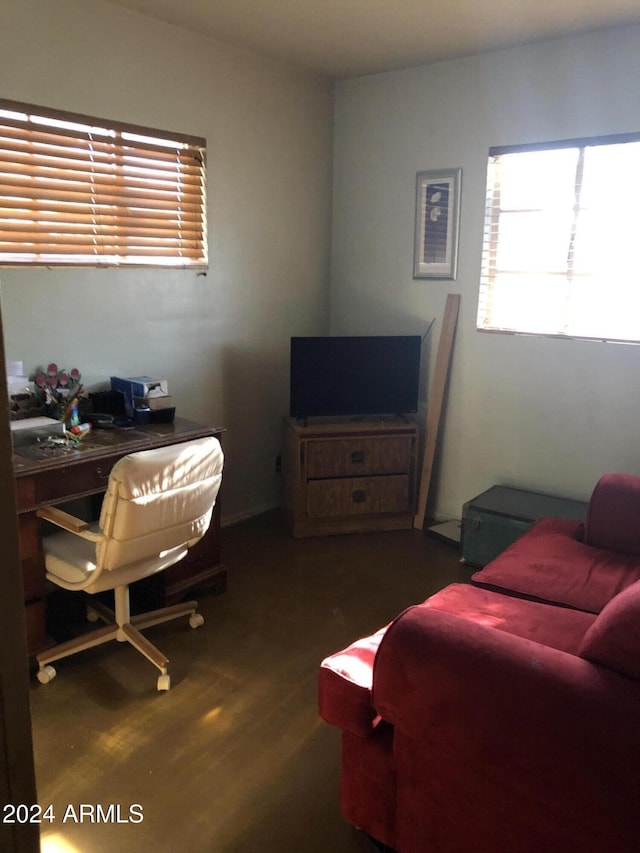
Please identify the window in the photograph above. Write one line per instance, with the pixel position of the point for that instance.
(561, 237)
(75, 190)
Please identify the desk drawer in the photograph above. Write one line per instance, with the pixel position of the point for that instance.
(358, 496)
(358, 456)
(74, 481)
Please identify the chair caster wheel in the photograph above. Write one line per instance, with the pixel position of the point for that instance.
(196, 620)
(164, 682)
(46, 674)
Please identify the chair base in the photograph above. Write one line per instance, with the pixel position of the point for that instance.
(123, 628)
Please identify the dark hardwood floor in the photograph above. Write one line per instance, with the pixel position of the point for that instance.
(234, 757)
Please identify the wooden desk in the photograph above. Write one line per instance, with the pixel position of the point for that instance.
(45, 477)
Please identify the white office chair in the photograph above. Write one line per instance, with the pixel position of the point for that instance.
(157, 505)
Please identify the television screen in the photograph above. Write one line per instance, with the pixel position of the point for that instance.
(366, 375)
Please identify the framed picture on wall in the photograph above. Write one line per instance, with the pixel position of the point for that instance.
(435, 252)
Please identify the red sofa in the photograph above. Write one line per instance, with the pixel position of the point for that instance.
(503, 716)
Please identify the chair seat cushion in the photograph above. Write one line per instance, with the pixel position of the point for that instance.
(70, 563)
(69, 557)
(549, 564)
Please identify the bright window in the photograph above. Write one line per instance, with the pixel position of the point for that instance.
(560, 253)
(75, 190)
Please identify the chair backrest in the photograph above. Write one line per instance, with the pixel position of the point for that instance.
(613, 519)
(157, 500)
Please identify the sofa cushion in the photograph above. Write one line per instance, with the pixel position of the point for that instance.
(558, 627)
(550, 564)
(613, 520)
(614, 638)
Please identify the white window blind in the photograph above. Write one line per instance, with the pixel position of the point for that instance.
(560, 254)
(75, 190)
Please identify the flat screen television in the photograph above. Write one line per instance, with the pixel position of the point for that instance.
(349, 376)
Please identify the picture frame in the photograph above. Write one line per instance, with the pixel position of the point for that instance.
(435, 253)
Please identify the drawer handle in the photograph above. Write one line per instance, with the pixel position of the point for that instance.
(357, 456)
(103, 475)
(359, 496)
(476, 523)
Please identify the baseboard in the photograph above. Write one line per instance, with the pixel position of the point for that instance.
(245, 515)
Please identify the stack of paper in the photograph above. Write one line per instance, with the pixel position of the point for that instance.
(17, 382)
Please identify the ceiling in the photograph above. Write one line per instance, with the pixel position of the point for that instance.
(349, 38)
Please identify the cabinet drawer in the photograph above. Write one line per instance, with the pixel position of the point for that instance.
(351, 457)
(358, 496)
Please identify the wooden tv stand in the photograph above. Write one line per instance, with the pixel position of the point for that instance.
(349, 477)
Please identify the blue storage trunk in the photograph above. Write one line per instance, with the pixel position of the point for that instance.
(496, 518)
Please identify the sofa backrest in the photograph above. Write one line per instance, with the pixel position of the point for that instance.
(614, 638)
(613, 519)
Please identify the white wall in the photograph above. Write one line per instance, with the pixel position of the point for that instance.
(538, 413)
(221, 340)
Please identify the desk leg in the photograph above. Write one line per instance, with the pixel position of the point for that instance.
(33, 579)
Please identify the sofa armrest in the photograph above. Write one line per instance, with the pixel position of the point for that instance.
(439, 675)
(502, 743)
(614, 510)
(344, 687)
